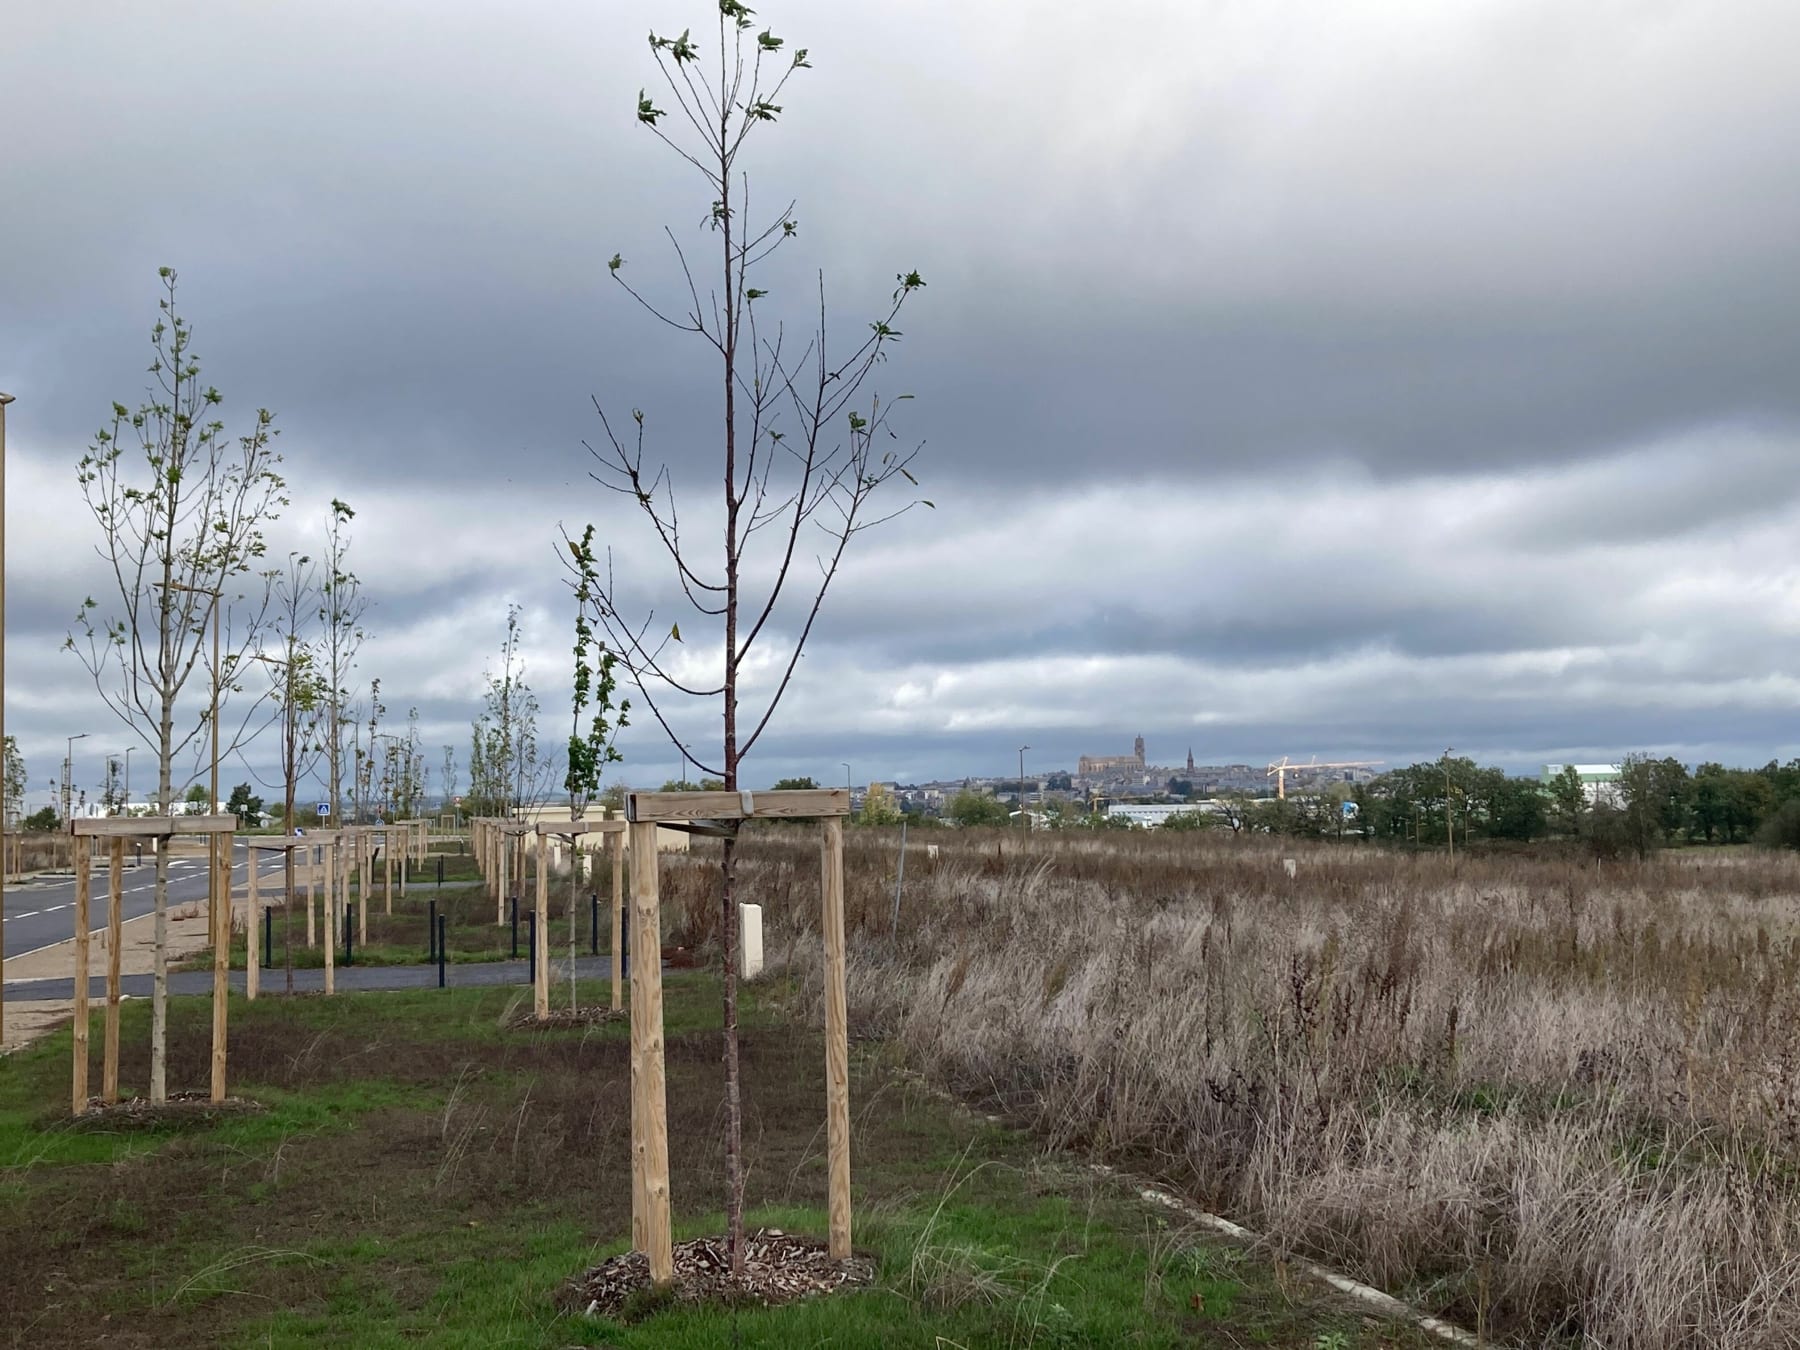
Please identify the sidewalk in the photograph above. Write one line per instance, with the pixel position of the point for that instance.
(29, 1017)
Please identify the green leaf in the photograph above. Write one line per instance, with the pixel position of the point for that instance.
(648, 112)
(614, 263)
(675, 631)
(768, 41)
(754, 294)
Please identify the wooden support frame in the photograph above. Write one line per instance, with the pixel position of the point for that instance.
(572, 830)
(253, 908)
(116, 830)
(328, 899)
(115, 934)
(722, 812)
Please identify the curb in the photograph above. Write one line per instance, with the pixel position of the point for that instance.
(1384, 1303)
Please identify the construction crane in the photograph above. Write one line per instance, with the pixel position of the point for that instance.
(1280, 770)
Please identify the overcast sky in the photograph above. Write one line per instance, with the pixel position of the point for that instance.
(1352, 380)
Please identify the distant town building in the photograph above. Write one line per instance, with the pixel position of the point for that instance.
(1095, 766)
(1599, 781)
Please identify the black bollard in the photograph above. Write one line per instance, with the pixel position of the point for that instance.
(531, 963)
(515, 926)
(594, 923)
(624, 952)
(268, 939)
(440, 869)
(440, 954)
(349, 937)
(431, 933)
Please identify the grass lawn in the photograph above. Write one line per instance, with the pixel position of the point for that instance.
(423, 1175)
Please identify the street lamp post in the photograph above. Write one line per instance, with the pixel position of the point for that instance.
(128, 750)
(1023, 818)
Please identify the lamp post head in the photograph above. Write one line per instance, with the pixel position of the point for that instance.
(5, 399)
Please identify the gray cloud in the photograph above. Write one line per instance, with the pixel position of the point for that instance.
(1298, 372)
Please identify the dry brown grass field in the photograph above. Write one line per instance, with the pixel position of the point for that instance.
(1556, 1100)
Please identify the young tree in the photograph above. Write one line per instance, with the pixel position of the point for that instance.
(301, 694)
(503, 751)
(591, 748)
(181, 509)
(112, 791)
(14, 781)
(803, 447)
(449, 778)
(341, 609)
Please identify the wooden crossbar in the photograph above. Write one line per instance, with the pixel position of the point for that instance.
(152, 827)
(797, 804)
(584, 826)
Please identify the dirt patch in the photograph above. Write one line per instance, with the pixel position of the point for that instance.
(778, 1268)
(181, 1110)
(591, 1016)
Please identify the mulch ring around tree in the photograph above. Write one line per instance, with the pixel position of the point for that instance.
(778, 1268)
(181, 1109)
(593, 1015)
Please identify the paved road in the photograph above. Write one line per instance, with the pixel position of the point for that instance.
(312, 980)
(41, 912)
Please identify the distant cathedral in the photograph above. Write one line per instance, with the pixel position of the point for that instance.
(1093, 765)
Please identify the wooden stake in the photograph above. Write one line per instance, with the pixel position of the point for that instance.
(837, 1039)
(115, 915)
(83, 861)
(497, 871)
(615, 848)
(252, 946)
(540, 938)
(329, 899)
(650, 1150)
(221, 967)
(387, 872)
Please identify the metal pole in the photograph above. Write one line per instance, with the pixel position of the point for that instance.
(531, 940)
(594, 923)
(1022, 817)
(431, 933)
(440, 952)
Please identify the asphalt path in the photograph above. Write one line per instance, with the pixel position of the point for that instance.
(41, 912)
(312, 980)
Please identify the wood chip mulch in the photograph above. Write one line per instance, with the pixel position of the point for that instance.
(592, 1016)
(778, 1268)
(181, 1108)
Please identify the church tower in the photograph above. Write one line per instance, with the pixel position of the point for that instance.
(1137, 748)
(1190, 767)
